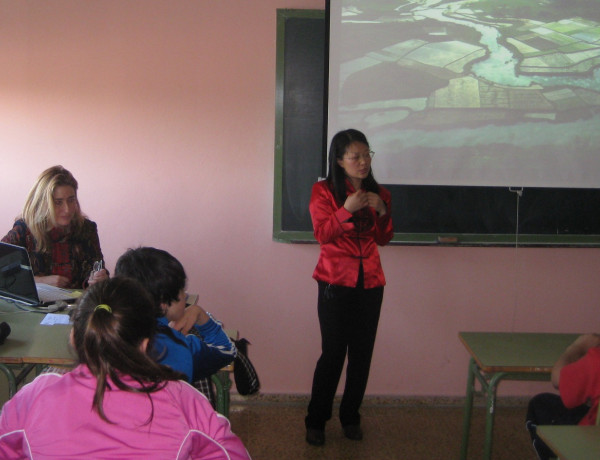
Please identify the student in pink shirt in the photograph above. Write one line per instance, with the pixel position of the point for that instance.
(118, 403)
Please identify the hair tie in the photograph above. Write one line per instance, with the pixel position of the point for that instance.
(103, 306)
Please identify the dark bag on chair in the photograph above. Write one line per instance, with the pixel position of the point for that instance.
(244, 374)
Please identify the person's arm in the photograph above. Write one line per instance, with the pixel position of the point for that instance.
(53, 280)
(384, 228)
(211, 349)
(93, 253)
(17, 234)
(16, 410)
(18, 237)
(328, 220)
(574, 352)
(10, 417)
(193, 315)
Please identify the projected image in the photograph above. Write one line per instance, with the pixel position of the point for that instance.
(471, 92)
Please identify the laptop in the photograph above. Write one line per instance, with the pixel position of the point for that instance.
(17, 282)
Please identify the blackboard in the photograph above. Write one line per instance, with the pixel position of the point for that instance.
(441, 215)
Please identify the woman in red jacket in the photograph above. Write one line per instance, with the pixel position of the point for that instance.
(351, 216)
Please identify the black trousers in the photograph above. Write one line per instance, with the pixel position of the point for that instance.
(548, 409)
(348, 318)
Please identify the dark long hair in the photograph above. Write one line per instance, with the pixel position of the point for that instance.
(107, 339)
(336, 176)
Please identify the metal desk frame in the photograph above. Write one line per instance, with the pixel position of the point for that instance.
(497, 356)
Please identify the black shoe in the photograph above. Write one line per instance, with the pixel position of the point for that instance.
(315, 437)
(353, 432)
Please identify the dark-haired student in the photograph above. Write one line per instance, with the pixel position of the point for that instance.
(199, 355)
(350, 213)
(118, 403)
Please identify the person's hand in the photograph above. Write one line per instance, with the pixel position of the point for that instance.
(586, 341)
(356, 201)
(194, 314)
(53, 280)
(376, 203)
(97, 276)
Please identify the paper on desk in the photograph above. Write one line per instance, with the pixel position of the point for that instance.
(52, 318)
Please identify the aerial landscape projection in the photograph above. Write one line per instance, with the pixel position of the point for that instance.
(470, 92)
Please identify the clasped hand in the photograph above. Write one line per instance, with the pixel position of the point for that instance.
(361, 199)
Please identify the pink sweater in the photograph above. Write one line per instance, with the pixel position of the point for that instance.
(52, 417)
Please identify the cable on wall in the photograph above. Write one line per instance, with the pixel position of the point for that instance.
(518, 191)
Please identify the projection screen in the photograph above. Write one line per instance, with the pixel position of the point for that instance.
(492, 93)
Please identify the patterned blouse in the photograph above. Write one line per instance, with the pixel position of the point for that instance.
(70, 255)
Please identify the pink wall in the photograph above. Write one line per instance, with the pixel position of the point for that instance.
(164, 111)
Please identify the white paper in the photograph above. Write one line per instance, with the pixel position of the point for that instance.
(52, 318)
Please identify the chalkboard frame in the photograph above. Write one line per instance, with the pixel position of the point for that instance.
(435, 228)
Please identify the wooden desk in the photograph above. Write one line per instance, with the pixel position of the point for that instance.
(497, 356)
(30, 344)
(572, 442)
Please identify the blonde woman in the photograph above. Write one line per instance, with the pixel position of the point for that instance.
(62, 243)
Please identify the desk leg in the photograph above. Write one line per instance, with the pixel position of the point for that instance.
(468, 409)
(490, 412)
(222, 385)
(15, 380)
(12, 380)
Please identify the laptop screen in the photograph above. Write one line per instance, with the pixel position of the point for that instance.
(16, 275)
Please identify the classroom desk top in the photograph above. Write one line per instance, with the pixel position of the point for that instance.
(572, 442)
(516, 352)
(31, 342)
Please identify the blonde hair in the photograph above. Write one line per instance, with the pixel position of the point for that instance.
(39, 212)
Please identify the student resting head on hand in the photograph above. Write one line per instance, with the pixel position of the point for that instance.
(188, 339)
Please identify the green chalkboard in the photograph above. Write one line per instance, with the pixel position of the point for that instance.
(300, 119)
(424, 215)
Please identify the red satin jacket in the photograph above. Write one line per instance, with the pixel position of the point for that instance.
(347, 239)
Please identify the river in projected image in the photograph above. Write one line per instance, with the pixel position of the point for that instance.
(471, 92)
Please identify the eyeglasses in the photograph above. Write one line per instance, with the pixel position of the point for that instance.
(356, 157)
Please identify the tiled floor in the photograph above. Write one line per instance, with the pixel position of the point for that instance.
(396, 430)
(272, 428)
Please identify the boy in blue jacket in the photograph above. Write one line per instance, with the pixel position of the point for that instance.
(189, 340)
